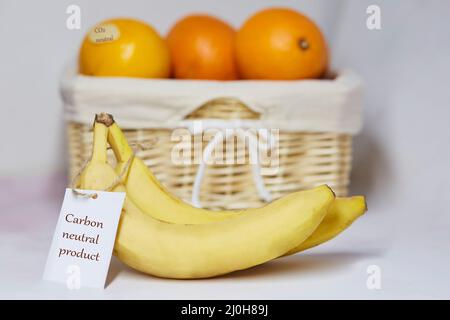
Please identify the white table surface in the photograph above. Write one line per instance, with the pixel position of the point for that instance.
(413, 257)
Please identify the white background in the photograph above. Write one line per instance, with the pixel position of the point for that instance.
(401, 160)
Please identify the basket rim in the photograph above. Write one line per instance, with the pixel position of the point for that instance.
(300, 105)
(337, 79)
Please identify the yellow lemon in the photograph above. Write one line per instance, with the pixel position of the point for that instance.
(124, 48)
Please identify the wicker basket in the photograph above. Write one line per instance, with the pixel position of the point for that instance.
(306, 159)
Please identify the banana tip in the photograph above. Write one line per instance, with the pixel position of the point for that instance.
(330, 189)
(364, 201)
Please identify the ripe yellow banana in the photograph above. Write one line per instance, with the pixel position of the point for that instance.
(152, 198)
(186, 251)
(97, 173)
(342, 213)
(147, 192)
(205, 250)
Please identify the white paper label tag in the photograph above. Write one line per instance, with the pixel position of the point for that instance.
(84, 239)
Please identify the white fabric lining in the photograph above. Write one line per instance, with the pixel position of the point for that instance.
(303, 105)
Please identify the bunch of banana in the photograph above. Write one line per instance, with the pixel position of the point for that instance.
(161, 235)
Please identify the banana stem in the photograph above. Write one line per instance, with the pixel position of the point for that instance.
(100, 139)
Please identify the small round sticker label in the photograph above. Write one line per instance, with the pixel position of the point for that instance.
(104, 33)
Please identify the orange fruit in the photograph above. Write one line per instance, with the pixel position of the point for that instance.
(280, 44)
(202, 47)
(126, 48)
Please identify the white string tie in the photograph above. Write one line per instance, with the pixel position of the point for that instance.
(232, 128)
